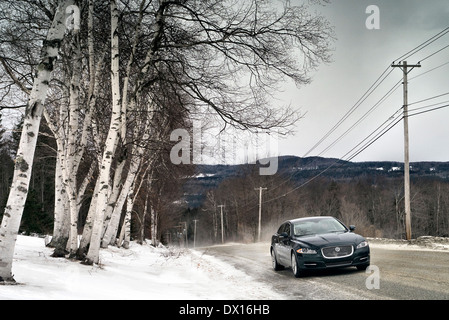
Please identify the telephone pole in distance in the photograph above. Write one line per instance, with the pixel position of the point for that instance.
(260, 210)
(194, 234)
(222, 231)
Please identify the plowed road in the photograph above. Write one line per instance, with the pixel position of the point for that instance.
(401, 274)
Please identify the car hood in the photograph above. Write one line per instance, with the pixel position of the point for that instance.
(325, 239)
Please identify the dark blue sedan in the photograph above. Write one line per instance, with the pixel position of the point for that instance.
(318, 243)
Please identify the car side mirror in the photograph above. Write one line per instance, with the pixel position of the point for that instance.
(283, 235)
(351, 228)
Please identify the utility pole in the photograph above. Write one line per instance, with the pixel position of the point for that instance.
(408, 228)
(222, 230)
(194, 234)
(260, 211)
(185, 226)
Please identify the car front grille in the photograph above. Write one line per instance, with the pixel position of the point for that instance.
(337, 252)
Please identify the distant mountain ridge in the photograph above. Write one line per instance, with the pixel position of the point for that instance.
(300, 169)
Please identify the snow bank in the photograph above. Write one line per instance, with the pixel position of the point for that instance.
(141, 272)
(420, 243)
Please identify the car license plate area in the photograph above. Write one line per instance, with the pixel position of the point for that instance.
(339, 264)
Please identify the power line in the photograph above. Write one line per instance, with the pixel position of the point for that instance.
(344, 158)
(433, 69)
(350, 129)
(370, 90)
(423, 45)
(430, 55)
(426, 111)
(375, 138)
(427, 99)
(394, 120)
(376, 84)
(364, 116)
(368, 93)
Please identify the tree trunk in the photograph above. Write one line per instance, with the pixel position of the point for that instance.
(73, 149)
(25, 154)
(153, 226)
(61, 222)
(88, 225)
(105, 167)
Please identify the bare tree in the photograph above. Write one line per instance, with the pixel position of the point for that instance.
(25, 154)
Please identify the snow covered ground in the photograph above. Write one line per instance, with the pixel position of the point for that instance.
(420, 243)
(141, 272)
(145, 272)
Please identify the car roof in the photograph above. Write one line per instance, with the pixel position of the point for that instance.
(309, 218)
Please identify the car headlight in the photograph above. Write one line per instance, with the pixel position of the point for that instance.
(362, 244)
(306, 251)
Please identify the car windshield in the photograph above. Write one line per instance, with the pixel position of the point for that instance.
(317, 226)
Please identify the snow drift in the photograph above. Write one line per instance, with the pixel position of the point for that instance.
(141, 272)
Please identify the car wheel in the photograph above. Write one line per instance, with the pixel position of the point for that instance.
(276, 266)
(295, 267)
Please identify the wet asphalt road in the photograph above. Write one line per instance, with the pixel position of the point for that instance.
(400, 274)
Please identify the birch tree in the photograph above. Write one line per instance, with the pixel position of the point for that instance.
(111, 140)
(25, 154)
(70, 119)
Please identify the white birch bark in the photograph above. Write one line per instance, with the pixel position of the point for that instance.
(125, 192)
(25, 154)
(111, 235)
(95, 72)
(153, 218)
(142, 220)
(87, 230)
(113, 196)
(127, 222)
(88, 225)
(130, 204)
(113, 216)
(61, 226)
(74, 151)
(125, 232)
(71, 143)
(105, 167)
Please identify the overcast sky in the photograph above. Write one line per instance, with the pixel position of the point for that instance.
(360, 57)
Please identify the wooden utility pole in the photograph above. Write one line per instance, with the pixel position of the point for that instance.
(185, 226)
(260, 211)
(194, 234)
(222, 230)
(408, 228)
